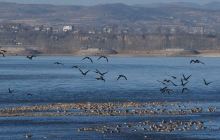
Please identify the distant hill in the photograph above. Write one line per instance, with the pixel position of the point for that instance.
(108, 13)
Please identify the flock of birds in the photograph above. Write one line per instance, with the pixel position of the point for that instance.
(100, 75)
(184, 81)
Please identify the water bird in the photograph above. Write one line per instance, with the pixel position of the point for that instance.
(100, 73)
(84, 73)
(58, 63)
(196, 62)
(90, 59)
(100, 78)
(30, 57)
(104, 57)
(122, 76)
(186, 78)
(206, 83)
(10, 90)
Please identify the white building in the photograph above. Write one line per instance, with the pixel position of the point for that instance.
(67, 28)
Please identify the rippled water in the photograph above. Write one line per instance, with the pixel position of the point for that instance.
(56, 83)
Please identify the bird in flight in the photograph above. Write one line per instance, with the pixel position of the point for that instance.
(169, 81)
(100, 78)
(122, 76)
(90, 59)
(100, 73)
(58, 63)
(84, 73)
(196, 62)
(104, 57)
(206, 83)
(186, 78)
(10, 90)
(75, 66)
(29, 94)
(30, 57)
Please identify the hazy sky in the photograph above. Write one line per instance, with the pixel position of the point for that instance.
(93, 2)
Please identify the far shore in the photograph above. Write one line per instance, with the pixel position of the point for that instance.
(131, 53)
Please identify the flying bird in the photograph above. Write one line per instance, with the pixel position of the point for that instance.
(58, 63)
(186, 78)
(100, 78)
(75, 66)
(90, 59)
(122, 76)
(10, 90)
(100, 73)
(196, 62)
(84, 73)
(206, 83)
(104, 57)
(30, 57)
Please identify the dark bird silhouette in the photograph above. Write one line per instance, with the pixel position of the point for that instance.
(90, 59)
(100, 78)
(184, 84)
(166, 90)
(186, 78)
(2, 53)
(103, 57)
(162, 90)
(84, 73)
(169, 81)
(100, 73)
(29, 94)
(185, 89)
(206, 83)
(196, 62)
(76, 67)
(30, 57)
(58, 63)
(122, 76)
(10, 90)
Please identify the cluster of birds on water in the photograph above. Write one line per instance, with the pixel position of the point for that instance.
(184, 81)
(100, 75)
